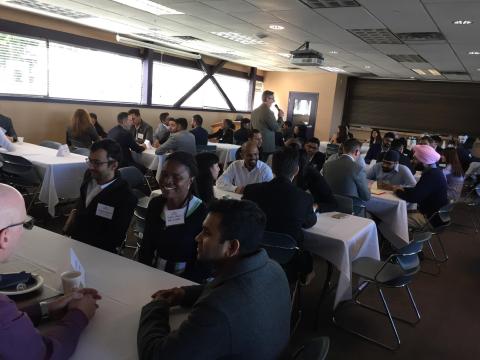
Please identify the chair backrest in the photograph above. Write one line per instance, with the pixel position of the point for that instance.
(407, 256)
(280, 247)
(132, 176)
(18, 167)
(344, 204)
(331, 149)
(81, 151)
(477, 189)
(50, 144)
(445, 212)
(206, 148)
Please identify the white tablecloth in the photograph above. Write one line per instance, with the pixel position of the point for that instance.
(341, 241)
(222, 194)
(150, 160)
(62, 176)
(125, 286)
(225, 152)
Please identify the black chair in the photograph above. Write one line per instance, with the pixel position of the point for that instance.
(344, 204)
(134, 178)
(81, 151)
(313, 349)
(206, 148)
(50, 144)
(331, 149)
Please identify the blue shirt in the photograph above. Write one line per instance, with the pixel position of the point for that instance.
(201, 135)
(400, 175)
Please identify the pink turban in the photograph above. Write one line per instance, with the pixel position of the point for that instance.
(425, 154)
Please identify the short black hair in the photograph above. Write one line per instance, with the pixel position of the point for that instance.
(93, 115)
(182, 122)
(427, 138)
(242, 220)
(229, 123)
(245, 121)
(285, 162)
(351, 145)
(397, 144)
(313, 140)
(135, 112)
(122, 116)
(389, 135)
(437, 139)
(164, 116)
(198, 119)
(113, 149)
(253, 132)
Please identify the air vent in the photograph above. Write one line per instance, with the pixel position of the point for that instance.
(161, 38)
(413, 58)
(228, 56)
(376, 36)
(324, 4)
(461, 73)
(187, 38)
(52, 9)
(421, 36)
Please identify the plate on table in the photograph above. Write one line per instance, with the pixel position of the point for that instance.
(33, 285)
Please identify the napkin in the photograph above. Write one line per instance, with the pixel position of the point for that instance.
(63, 150)
(147, 144)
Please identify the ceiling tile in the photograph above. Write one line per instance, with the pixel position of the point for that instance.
(230, 6)
(351, 18)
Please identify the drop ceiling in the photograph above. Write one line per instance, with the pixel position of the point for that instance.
(363, 37)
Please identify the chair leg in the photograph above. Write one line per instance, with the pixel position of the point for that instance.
(414, 304)
(296, 301)
(434, 259)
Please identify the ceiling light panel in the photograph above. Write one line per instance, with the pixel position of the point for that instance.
(149, 6)
(420, 36)
(419, 71)
(48, 9)
(323, 4)
(376, 36)
(332, 69)
(462, 22)
(240, 38)
(412, 58)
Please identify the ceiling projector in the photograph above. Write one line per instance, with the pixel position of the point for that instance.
(304, 56)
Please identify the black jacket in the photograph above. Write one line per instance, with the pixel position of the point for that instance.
(241, 136)
(317, 161)
(104, 233)
(223, 136)
(287, 207)
(201, 135)
(314, 182)
(126, 141)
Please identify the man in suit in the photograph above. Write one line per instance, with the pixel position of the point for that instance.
(315, 158)
(162, 131)
(140, 130)
(346, 177)
(263, 119)
(105, 207)
(125, 139)
(7, 125)
(244, 313)
(180, 140)
(201, 135)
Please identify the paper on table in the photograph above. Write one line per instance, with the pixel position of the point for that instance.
(147, 144)
(77, 266)
(377, 192)
(63, 150)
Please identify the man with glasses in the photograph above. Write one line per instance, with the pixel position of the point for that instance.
(103, 212)
(315, 158)
(19, 338)
(390, 172)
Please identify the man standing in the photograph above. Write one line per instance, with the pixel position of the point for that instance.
(180, 140)
(263, 119)
(105, 207)
(162, 132)
(19, 338)
(244, 313)
(140, 130)
(7, 126)
(390, 172)
(201, 135)
(241, 173)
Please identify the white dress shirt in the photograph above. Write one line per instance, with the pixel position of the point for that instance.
(4, 141)
(238, 175)
(94, 189)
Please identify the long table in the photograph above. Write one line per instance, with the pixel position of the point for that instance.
(61, 176)
(125, 286)
(150, 160)
(225, 152)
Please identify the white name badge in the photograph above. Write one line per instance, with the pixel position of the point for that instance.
(105, 211)
(140, 136)
(174, 217)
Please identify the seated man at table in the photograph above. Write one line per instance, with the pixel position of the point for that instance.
(201, 135)
(162, 132)
(5, 141)
(241, 173)
(244, 313)
(103, 212)
(7, 125)
(121, 134)
(346, 177)
(140, 130)
(179, 140)
(19, 337)
(430, 193)
(316, 159)
(390, 172)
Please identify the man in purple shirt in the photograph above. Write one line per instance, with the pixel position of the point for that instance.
(18, 337)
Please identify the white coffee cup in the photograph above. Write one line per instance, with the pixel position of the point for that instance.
(71, 280)
(20, 139)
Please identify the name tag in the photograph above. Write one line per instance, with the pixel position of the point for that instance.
(140, 136)
(174, 217)
(105, 211)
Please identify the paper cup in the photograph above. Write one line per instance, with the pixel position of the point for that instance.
(20, 139)
(71, 280)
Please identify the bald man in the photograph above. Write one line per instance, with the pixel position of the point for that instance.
(244, 172)
(18, 337)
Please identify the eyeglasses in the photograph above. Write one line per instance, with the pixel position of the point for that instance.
(27, 224)
(97, 163)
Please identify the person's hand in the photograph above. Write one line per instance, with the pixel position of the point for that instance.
(87, 304)
(143, 145)
(9, 138)
(57, 307)
(173, 296)
(239, 189)
(397, 188)
(281, 113)
(156, 143)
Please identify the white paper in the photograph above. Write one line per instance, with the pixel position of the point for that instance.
(147, 144)
(105, 211)
(77, 265)
(63, 150)
(174, 217)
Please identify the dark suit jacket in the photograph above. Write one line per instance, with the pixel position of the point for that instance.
(126, 141)
(241, 136)
(7, 125)
(317, 161)
(287, 207)
(225, 137)
(244, 314)
(314, 182)
(145, 130)
(99, 231)
(201, 135)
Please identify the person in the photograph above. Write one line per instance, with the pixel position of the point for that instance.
(464, 151)
(390, 172)
(437, 143)
(342, 135)
(98, 128)
(174, 218)
(244, 313)
(81, 133)
(430, 193)
(300, 133)
(125, 139)
(375, 146)
(105, 208)
(453, 173)
(179, 140)
(140, 130)
(263, 119)
(256, 136)
(5, 141)
(345, 177)
(315, 158)
(288, 208)
(172, 125)
(386, 144)
(208, 170)
(224, 135)
(20, 338)
(241, 173)
(201, 135)
(360, 160)
(287, 130)
(241, 135)
(427, 140)
(399, 146)
(162, 132)
(7, 125)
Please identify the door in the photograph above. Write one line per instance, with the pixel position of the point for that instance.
(302, 110)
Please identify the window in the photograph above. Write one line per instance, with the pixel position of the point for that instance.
(170, 82)
(79, 73)
(258, 94)
(23, 65)
(236, 89)
(207, 96)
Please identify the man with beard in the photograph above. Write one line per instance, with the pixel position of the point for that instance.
(389, 171)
